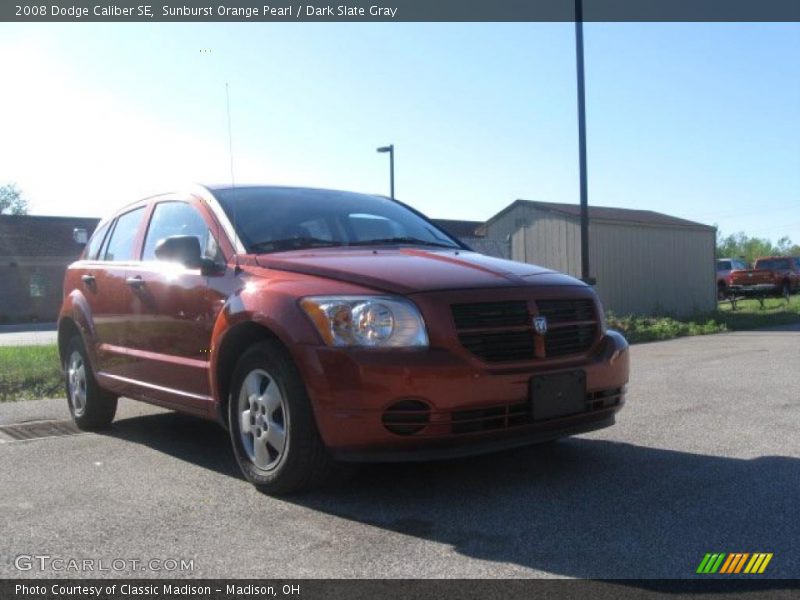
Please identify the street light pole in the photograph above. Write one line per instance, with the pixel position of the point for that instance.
(582, 144)
(390, 150)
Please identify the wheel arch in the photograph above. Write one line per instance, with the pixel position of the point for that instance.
(76, 319)
(67, 329)
(236, 339)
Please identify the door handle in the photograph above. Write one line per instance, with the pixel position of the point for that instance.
(135, 282)
(88, 279)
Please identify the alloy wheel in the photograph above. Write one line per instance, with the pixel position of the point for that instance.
(263, 418)
(76, 379)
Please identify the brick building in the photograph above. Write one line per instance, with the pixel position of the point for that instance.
(34, 253)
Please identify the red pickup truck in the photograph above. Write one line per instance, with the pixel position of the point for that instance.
(725, 268)
(771, 275)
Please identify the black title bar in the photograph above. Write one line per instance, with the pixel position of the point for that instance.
(405, 589)
(399, 10)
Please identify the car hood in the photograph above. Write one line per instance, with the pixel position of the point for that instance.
(410, 270)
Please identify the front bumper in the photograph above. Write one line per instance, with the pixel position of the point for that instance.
(472, 408)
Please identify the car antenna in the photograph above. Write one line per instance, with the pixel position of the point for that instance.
(236, 269)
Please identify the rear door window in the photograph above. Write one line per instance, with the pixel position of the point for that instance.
(123, 238)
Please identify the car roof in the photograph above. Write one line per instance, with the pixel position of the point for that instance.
(287, 189)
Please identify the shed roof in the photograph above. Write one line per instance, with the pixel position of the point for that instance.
(34, 236)
(606, 213)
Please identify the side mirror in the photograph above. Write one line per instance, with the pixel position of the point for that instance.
(80, 236)
(183, 249)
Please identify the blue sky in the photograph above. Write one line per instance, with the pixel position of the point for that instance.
(701, 121)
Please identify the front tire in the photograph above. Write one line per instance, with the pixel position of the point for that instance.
(91, 407)
(272, 426)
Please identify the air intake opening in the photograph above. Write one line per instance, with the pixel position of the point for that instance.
(406, 417)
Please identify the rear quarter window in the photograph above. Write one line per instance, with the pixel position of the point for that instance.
(776, 264)
(783, 264)
(95, 243)
(764, 264)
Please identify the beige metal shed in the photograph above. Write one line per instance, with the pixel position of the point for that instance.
(644, 262)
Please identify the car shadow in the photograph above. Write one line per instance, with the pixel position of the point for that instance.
(582, 507)
(184, 437)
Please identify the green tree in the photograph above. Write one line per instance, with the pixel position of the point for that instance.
(11, 200)
(787, 248)
(740, 245)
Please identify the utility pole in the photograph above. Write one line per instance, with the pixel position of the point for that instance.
(585, 272)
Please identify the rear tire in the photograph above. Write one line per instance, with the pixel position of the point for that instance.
(91, 407)
(272, 426)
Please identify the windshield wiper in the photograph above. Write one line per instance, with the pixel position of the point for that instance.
(402, 240)
(295, 243)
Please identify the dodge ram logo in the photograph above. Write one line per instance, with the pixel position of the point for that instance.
(540, 325)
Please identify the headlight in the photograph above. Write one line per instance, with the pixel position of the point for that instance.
(370, 321)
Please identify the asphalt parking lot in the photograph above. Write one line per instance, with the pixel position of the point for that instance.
(705, 458)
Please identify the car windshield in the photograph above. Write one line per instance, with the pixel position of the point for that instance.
(723, 265)
(278, 219)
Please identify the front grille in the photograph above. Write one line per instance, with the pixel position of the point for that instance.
(487, 419)
(566, 311)
(413, 418)
(514, 415)
(569, 340)
(498, 332)
(490, 314)
(500, 347)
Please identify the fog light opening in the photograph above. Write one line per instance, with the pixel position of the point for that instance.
(407, 417)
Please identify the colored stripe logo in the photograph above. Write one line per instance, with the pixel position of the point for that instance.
(731, 563)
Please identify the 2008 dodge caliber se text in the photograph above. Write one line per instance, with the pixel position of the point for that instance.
(322, 326)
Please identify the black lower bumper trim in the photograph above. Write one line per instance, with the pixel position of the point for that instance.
(471, 449)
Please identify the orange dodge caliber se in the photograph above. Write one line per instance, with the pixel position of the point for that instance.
(323, 327)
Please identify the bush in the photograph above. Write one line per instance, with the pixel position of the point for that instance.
(748, 315)
(648, 329)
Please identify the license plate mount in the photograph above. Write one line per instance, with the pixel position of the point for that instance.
(558, 395)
